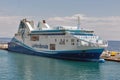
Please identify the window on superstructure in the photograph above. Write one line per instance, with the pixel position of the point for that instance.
(55, 40)
(72, 43)
(52, 47)
(34, 37)
(66, 40)
(16, 34)
(72, 40)
(62, 42)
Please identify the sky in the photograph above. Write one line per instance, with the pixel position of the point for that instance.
(102, 16)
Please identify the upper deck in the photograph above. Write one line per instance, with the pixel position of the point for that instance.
(62, 32)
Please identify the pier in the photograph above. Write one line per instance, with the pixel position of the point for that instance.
(111, 56)
(4, 45)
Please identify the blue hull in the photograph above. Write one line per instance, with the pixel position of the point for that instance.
(81, 55)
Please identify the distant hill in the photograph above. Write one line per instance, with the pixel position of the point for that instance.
(114, 45)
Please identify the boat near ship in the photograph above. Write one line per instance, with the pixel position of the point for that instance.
(57, 42)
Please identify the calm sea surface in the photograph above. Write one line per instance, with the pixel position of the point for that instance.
(14, 66)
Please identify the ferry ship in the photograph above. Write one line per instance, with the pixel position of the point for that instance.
(57, 42)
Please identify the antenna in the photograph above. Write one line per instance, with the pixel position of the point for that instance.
(39, 26)
(78, 26)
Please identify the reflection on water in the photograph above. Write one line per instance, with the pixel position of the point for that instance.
(14, 66)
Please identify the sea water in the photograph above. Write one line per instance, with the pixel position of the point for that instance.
(15, 66)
